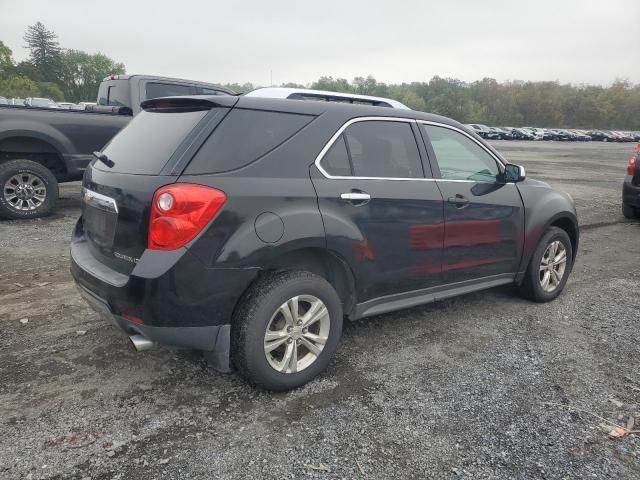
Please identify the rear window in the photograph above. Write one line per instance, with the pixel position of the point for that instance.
(243, 137)
(114, 93)
(157, 90)
(145, 145)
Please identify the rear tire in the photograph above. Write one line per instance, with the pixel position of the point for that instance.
(629, 212)
(261, 322)
(533, 286)
(27, 190)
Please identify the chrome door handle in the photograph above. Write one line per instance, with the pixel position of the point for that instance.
(460, 201)
(355, 196)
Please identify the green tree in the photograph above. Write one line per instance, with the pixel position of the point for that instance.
(7, 66)
(81, 73)
(45, 52)
(21, 87)
(50, 90)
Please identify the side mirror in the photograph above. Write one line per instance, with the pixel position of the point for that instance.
(514, 173)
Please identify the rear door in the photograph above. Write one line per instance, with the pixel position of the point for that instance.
(484, 217)
(380, 212)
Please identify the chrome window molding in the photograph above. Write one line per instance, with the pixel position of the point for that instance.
(341, 130)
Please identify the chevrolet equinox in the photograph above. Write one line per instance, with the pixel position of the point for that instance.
(248, 227)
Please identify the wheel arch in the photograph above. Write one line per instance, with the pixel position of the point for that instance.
(322, 262)
(29, 146)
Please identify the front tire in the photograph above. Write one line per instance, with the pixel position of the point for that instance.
(28, 190)
(549, 267)
(286, 330)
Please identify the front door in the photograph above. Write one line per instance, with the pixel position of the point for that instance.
(380, 213)
(484, 216)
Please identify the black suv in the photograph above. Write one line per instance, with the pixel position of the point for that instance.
(249, 227)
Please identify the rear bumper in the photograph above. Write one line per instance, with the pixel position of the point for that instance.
(214, 338)
(630, 192)
(180, 300)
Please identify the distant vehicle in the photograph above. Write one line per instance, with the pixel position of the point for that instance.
(564, 135)
(631, 187)
(325, 96)
(509, 134)
(580, 135)
(601, 136)
(522, 134)
(538, 133)
(18, 102)
(4, 101)
(84, 105)
(481, 130)
(496, 133)
(622, 136)
(50, 146)
(40, 102)
(66, 105)
(250, 227)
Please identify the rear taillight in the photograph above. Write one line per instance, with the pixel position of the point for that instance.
(179, 212)
(633, 164)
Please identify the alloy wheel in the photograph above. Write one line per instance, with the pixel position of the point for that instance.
(553, 266)
(25, 191)
(296, 334)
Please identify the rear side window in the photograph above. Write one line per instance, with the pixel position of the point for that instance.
(146, 144)
(157, 90)
(383, 149)
(243, 137)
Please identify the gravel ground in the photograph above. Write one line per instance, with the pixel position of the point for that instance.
(482, 386)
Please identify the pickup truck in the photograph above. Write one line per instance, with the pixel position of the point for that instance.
(41, 147)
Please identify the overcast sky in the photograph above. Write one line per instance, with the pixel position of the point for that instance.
(573, 41)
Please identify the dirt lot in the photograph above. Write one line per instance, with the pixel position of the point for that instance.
(482, 386)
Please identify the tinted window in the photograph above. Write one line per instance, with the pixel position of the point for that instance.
(336, 160)
(459, 157)
(114, 93)
(210, 91)
(145, 145)
(383, 149)
(156, 90)
(243, 137)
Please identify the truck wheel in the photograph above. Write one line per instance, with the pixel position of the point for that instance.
(286, 330)
(549, 267)
(29, 190)
(629, 212)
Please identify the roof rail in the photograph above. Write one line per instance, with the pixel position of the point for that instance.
(323, 95)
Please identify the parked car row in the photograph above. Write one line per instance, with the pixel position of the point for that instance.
(535, 133)
(44, 103)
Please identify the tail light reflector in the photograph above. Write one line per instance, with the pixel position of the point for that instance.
(633, 164)
(179, 213)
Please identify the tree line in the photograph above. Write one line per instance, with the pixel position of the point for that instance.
(51, 71)
(517, 103)
(74, 75)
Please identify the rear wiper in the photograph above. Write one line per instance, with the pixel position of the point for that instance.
(104, 159)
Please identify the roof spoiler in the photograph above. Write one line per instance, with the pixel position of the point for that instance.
(188, 104)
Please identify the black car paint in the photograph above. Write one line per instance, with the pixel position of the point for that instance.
(71, 136)
(283, 197)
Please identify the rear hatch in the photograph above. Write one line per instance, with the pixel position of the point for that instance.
(150, 152)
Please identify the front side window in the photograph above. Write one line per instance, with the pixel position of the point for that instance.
(459, 157)
(375, 148)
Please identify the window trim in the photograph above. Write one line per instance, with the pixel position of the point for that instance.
(341, 130)
(428, 147)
